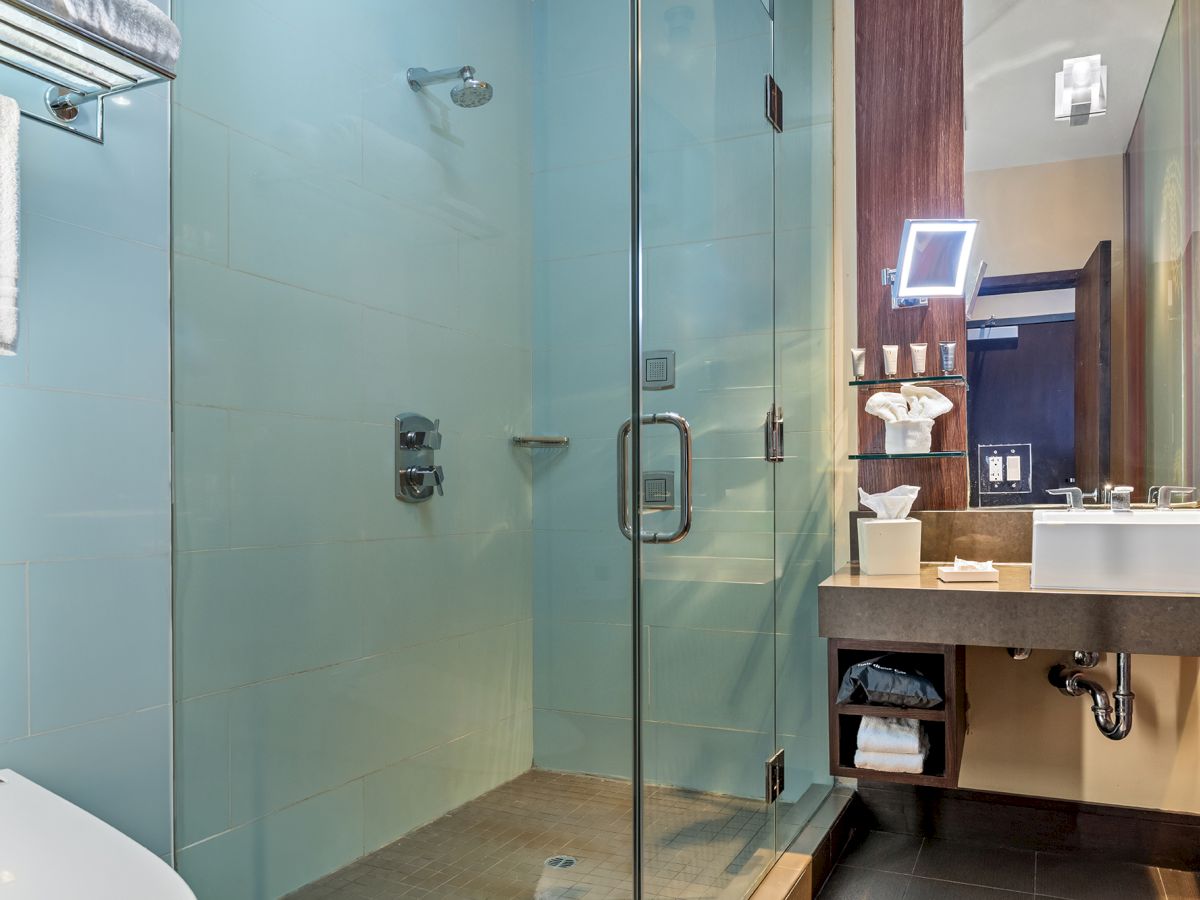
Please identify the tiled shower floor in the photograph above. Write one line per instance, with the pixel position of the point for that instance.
(497, 845)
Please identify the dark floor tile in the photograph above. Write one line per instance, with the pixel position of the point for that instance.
(995, 867)
(1180, 885)
(863, 884)
(1079, 876)
(883, 851)
(928, 889)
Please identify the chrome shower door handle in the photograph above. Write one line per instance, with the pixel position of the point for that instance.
(623, 478)
(685, 478)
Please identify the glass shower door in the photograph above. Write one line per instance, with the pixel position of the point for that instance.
(707, 593)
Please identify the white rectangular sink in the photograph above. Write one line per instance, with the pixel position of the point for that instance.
(1147, 550)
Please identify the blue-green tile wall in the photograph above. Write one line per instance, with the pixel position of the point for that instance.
(349, 667)
(85, 602)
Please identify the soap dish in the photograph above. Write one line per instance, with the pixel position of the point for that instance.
(949, 573)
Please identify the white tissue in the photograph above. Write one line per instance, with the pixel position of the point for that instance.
(893, 504)
(969, 565)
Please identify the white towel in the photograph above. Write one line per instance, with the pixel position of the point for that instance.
(10, 222)
(877, 734)
(137, 25)
(912, 763)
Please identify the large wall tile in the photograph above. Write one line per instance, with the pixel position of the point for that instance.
(202, 787)
(117, 769)
(14, 664)
(96, 639)
(250, 614)
(100, 323)
(277, 854)
(81, 491)
(200, 202)
(250, 343)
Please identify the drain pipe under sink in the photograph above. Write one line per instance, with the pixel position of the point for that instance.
(1114, 723)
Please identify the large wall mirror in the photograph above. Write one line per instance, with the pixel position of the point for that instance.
(1085, 176)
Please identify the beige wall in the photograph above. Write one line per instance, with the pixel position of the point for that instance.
(1026, 738)
(1049, 217)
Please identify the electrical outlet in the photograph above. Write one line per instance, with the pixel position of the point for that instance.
(995, 469)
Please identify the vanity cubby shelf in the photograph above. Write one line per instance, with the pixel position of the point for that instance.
(869, 709)
(946, 726)
(73, 69)
(924, 379)
(934, 454)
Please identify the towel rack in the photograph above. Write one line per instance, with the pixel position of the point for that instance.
(541, 440)
(71, 67)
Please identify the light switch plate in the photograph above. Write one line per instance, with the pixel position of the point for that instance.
(1005, 469)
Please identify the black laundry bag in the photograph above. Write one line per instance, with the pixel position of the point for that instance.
(881, 682)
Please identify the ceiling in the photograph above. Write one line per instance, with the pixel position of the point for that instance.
(1012, 50)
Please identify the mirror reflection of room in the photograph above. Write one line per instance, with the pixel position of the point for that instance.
(1079, 346)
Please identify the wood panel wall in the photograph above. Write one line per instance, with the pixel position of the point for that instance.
(909, 123)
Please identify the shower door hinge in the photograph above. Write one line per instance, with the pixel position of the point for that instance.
(774, 106)
(774, 431)
(774, 777)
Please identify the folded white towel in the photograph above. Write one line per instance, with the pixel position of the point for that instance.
(10, 222)
(137, 25)
(878, 734)
(912, 763)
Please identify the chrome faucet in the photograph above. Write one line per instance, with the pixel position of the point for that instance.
(1167, 490)
(1074, 496)
(1120, 497)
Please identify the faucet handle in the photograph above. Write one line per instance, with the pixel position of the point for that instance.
(1167, 490)
(1120, 497)
(1074, 496)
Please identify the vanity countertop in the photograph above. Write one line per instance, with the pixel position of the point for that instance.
(921, 609)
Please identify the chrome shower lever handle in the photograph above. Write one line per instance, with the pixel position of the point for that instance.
(424, 440)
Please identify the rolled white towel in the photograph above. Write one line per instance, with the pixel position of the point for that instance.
(912, 763)
(10, 222)
(880, 734)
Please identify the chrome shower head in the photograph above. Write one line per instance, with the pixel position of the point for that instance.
(471, 93)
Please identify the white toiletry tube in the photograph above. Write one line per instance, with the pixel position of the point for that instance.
(948, 351)
(858, 359)
(891, 360)
(918, 357)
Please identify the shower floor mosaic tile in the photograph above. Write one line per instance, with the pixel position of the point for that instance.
(498, 845)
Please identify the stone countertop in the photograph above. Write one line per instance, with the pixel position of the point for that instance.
(921, 609)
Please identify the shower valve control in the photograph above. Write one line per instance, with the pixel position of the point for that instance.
(417, 476)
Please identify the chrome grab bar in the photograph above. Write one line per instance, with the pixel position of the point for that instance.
(685, 478)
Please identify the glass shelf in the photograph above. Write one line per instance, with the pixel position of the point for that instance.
(924, 379)
(934, 454)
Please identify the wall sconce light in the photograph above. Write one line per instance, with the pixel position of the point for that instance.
(934, 254)
(1080, 90)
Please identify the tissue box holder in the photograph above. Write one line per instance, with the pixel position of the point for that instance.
(889, 546)
(908, 436)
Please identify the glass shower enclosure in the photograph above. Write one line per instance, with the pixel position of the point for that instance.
(495, 552)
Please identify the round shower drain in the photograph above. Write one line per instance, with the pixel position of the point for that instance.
(560, 862)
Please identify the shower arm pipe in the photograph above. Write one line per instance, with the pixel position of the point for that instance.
(421, 78)
(1115, 718)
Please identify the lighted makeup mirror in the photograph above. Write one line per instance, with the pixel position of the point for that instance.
(933, 262)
